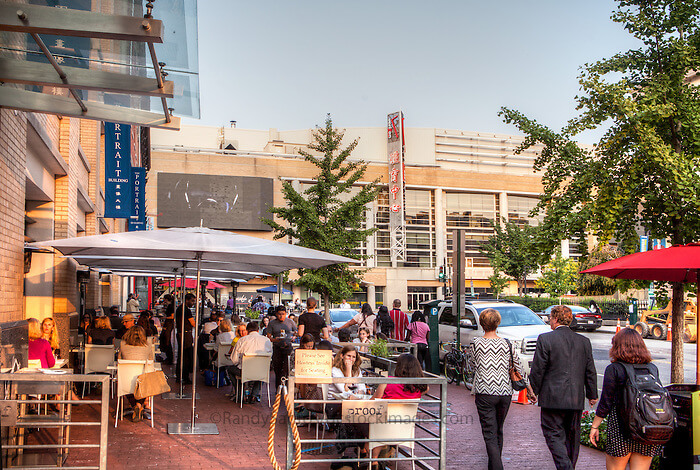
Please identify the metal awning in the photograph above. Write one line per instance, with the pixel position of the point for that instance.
(101, 60)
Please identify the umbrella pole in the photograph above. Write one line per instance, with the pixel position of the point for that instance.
(180, 349)
(196, 334)
(697, 329)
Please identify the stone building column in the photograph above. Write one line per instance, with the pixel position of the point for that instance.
(13, 142)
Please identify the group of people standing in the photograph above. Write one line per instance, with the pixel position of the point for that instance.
(562, 378)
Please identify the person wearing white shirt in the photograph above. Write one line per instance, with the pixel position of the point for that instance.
(252, 343)
(345, 304)
(347, 364)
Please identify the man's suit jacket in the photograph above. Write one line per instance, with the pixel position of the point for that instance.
(563, 369)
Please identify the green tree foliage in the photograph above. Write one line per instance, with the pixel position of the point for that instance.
(498, 282)
(589, 284)
(642, 172)
(328, 215)
(559, 276)
(512, 250)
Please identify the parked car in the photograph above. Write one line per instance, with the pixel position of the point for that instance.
(519, 324)
(340, 316)
(583, 319)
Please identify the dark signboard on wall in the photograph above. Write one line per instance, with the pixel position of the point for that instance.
(118, 189)
(138, 220)
(219, 202)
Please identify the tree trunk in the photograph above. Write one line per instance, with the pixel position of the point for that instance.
(326, 307)
(677, 320)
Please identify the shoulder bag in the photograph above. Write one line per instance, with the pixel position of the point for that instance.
(150, 384)
(516, 380)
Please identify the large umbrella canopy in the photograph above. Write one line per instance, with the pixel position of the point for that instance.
(273, 290)
(679, 263)
(192, 284)
(188, 243)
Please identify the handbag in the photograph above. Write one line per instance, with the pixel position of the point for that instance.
(516, 380)
(150, 384)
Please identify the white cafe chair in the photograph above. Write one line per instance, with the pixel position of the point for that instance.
(254, 367)
(127, 373)
(98, 358)
(400, 424)
(222, 360)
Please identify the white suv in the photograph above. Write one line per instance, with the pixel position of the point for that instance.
(519, 324)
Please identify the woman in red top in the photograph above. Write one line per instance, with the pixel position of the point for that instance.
(406, 366)
(39, 348)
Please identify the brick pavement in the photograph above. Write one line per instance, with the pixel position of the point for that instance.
(242, 441)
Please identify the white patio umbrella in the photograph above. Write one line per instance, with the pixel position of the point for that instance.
(228, 251)
(195, 243)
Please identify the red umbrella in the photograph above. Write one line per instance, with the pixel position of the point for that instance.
(679, 263)
(192, 283)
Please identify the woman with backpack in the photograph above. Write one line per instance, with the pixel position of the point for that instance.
(628, 351)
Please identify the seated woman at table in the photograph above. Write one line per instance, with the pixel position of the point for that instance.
(407, 365)
(347, 364)
(135, 347)
(85, 325)
(225, 336)
(241, 331)
(145, 322)
(39, 348)
(102, 332)
(263, 325)
(50, 333)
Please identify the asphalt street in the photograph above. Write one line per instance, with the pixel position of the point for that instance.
(660, 353)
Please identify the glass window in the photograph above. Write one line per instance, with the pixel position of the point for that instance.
(519, 208)
(476, 214)
(420, 229)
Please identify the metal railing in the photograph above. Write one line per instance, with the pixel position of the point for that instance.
(17, 391)
(432, 412)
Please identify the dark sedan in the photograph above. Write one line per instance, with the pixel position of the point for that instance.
(584, 319)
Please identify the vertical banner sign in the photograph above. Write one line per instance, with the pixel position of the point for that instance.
(118, 203)
(395, 150)
(138, 220)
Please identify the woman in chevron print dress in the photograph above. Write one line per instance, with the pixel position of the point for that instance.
(489, 357)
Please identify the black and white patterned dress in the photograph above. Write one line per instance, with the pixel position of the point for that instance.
(490, 360)
(617, 445)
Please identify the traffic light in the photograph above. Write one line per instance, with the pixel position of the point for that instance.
(441, 276)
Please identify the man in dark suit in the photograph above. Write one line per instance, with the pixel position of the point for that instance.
(562, 373)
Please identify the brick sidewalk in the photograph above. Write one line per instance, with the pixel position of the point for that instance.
(242, 442)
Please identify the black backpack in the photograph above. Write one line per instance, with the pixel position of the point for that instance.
(647, 408)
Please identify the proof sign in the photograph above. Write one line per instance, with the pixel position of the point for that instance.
(312, 363)
(364, 411)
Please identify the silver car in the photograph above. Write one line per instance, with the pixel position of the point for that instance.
(519, 324)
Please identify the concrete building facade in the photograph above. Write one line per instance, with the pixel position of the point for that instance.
(453, 179)
(51, 170)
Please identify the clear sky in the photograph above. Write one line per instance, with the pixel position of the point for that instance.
(446, 64)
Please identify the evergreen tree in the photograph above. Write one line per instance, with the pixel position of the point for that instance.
(642, 172)
(328, 215)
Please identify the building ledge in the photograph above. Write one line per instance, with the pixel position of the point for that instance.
(49, 154)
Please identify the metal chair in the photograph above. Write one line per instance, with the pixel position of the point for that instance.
(222, 360)
(127, 373)
(255, 367)
(98, 358)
